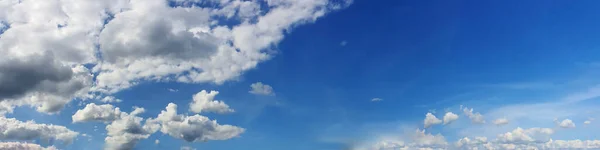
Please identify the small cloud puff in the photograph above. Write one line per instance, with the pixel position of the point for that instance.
(376, 99)
(567, 123)
(449, 118)
(500, 121)
(259, 88)
(430, 120)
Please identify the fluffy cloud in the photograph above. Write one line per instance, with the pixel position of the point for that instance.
(500, 121)
(417, 140)
(567, 123)
(93, 112)
(156, 142)
(520, 135)
(475, 117)
(22, 146)
(587, 122)
(125, 129)
(194, 128)
(519, 138)
(450, 117)
(572, 144)
(44, 44)
(205, 102)
(430, 120)
(259, 88)
(12, 129)
(187, 44)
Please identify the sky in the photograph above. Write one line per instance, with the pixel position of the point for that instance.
(299, 74)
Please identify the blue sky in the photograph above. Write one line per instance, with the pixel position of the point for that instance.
(533, 63)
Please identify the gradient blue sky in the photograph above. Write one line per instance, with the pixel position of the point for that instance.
(528, 61)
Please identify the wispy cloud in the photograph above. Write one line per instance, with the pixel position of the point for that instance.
(376, 99)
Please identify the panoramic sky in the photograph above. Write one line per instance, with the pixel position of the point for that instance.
(299, 74)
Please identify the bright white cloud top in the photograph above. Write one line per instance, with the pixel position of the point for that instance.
(205, 101)
(567, 123)
(450, 117)
(430, 120)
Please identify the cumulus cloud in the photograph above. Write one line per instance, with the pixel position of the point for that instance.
(93, 112)
(204, 101)
(156, 142)
(450, 117)
(12, 129)
(519, 138)
(416, 140)
(521, 135)
(44, 44)
(475, 117)
(259, 88)
(587, 122)
(23, 146)
(500, 121)
(124, 130)
(430, 120)
(187, 44)
(567, 123)
(194, 128)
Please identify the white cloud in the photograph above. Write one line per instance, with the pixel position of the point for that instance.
(520, 135)
(532, 138)
(156, 142)
(475, 117)
(193, 46)
(259, 88)
(205, 102)
(186, 148)
(93, 112)
(376, 99)
(430, 120)
(567, 123)
(44, 44)
(110, 99)
(124, 130)
(194, 128)
(416, 140)
(450, 117)
(500, 121)
(572, 144)
(173, 90)
(12, 129)
(23, 146)
(587, 122)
